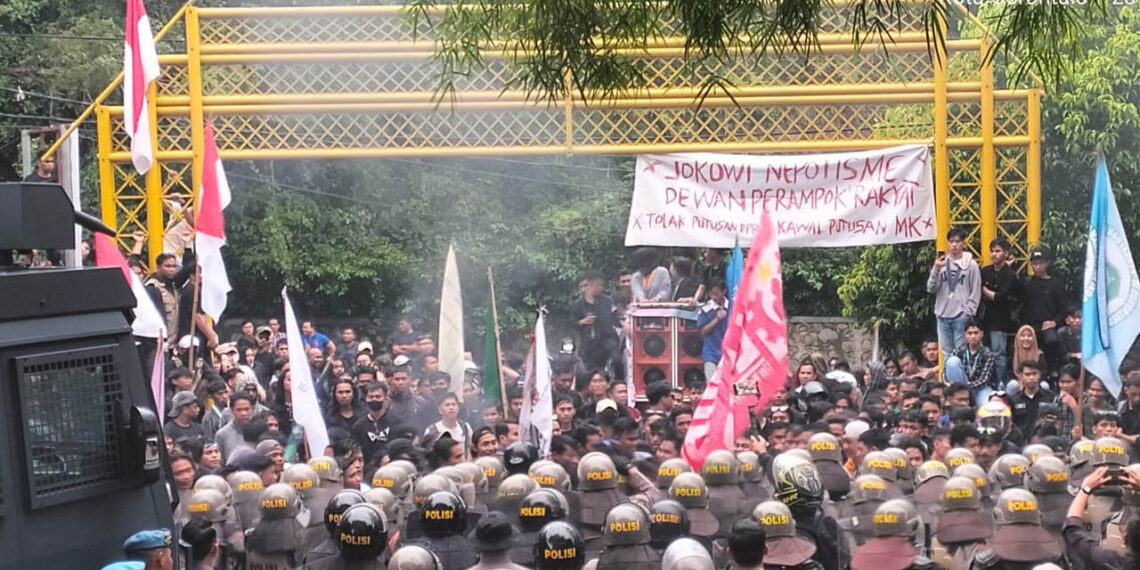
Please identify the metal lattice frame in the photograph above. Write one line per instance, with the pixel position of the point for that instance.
(327, 82)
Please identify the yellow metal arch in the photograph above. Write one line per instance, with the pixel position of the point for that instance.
(333, 82)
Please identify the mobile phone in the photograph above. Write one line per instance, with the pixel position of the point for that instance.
(939, 254)
(1115, 476)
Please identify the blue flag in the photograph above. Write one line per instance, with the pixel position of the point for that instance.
(734, 271)
(1110, 319)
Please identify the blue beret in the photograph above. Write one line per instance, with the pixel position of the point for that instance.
(147, 540)
(128, 565)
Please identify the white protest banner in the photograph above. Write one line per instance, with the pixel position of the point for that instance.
(815, 200)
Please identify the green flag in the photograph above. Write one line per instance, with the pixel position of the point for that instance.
(491, 383)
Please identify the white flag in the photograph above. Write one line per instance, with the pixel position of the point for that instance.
(140, 68)
(451, 325)
(536, 419)
(306, 410)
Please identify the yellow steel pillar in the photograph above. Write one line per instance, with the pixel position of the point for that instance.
(988, 209)
(106, 172)
(154, 219)
(194, 86)
(1033, 170)
(941, 151)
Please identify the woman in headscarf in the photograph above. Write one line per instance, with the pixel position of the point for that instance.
(1024, 348)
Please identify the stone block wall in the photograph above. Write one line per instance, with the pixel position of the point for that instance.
(830, 336)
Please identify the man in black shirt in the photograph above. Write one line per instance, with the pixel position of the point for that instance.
(1129, 419)
(1043, 306)
(1027, 401)
(45, 171)
(999, 287)
(372, 431)
(594, 313)
(183, 424)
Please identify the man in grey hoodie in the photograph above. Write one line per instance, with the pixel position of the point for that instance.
(956, 282)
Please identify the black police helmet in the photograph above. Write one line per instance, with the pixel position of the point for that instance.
(540, 507)
(444, 514)
(362, 533)
(668, 521)
(559, 546)
(336, 506)
(518, 457)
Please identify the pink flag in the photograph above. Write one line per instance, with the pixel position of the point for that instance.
(148, 321)
(140, 68)
(755, 352)
(211, 230)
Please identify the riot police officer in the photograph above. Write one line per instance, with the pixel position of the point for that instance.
(798, 486)
(894, 527)
(540, 507)
(273, 543)
(444, 518)
(668, 521)
(511, 493)
(597, 482)
(929, 480)
(868, 493)
(334, 509)
(414, 557)
(721, 473)
(362, 536)
(626, 539)
(686, 554)
(690, 491)
(246, 487)
(827, 456)
(559, 546)
(786, 549)
(1019, 541)
(669, 469)
(1008, 471)
(964, 524)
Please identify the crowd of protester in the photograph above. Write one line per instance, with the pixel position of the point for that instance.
(959, 454)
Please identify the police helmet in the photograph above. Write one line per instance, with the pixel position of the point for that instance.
(686, 554)
(559, 546)
(879, 463)
(336, 506)
(669, 469)
(749, 467)
(721, 468)
(393, 478)
(208, 503)
(902, 463)
(975, 472)
(596, 472)
(798, 484)
(668, 520)
(868, 488)
(216, 483)
(1009, 470)
(1016, 506)
(444, 514)
(301, 478)
(279, 501)
(384, 500)
(823, 446)
(626, 524)
(690, 490)
(327, 468)
(958, 457)
(411, 469)
(246, 486)
(414, 557)
(362, 533)
(1081, 453)
(429, 484)
(1035, 450)
(518, 457)
(465, 489)
(542, 506)
(929, 470)
(797, 453)
(776, 519)
(492, 469)
(515, 488)
(1047, 474)
(896, 517)
(961, 494)
(475, 476)
(1109, 451)
(550, 475)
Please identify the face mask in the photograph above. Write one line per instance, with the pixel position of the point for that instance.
(375, 406)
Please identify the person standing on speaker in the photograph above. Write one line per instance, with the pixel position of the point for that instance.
(713, 321)
(594, 313)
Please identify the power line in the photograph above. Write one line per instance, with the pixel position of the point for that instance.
(19, 91)
(36, 117)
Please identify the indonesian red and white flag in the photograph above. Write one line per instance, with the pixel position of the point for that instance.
(211, 230)
(755, 350)
(148, 321)
(140, 68)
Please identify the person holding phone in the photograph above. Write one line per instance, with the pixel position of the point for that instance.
(956, 282)
(1086, 547)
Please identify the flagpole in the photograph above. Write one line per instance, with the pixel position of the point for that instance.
(498, 343)
(194, 308)
(1080, 402)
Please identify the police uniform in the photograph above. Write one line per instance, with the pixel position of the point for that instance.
(868, 493)
(752, 480)
(559, 546)
(785, 548)
(894, 527)
(1018, 541)
(306, 481)
(929, 481)
(335, 508)
(690, 491)
(444, 519)
(540, 507)
(273, 543)
(686, 554)
(828, 459)
(361, 538)
(246, 487)
(721, 473)
(668, 521)
(597, 481)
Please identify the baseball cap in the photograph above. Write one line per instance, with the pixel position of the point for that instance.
(401, 360)
(264, 329)
(363, 346)
(1040, 252)
(181, 400)
(226, 348)
(603, 404)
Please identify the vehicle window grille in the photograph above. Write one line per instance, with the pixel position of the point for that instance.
(69, 400)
